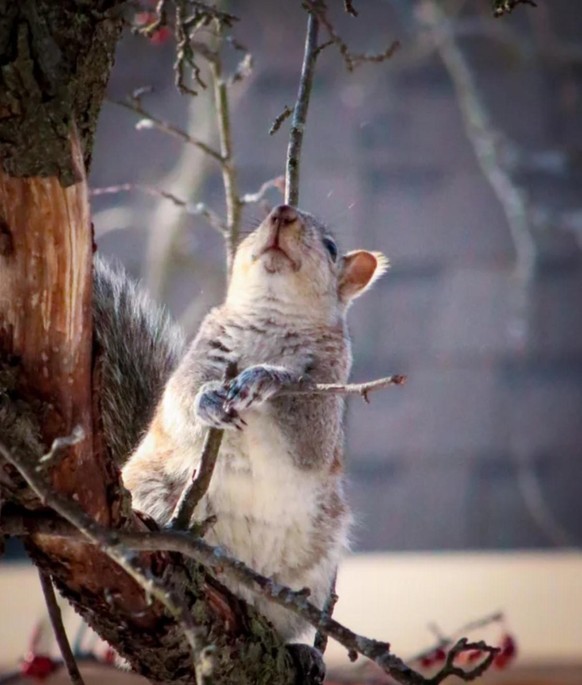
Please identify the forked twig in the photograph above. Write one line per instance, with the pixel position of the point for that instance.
(192, 208)
(150, 121)
(107, 541)
(295, 601)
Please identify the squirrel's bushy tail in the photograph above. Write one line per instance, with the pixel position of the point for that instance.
(139, 347)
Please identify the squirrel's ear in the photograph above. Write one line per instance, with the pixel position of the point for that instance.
(359, 271)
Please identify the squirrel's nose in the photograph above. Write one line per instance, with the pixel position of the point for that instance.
(283, 215)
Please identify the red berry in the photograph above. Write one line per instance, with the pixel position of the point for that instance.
(427, 661)
(501, 661)
(439, 654)
(160, 35)
(38, 666)
(508, 647)
(474, 655)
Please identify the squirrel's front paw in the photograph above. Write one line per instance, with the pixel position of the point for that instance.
(211, 409)
(255, 385)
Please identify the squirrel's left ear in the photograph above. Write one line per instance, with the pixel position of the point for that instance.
(359, 270)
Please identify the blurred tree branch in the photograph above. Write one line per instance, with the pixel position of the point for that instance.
(502, 7)
(499, 160)
(119, 542)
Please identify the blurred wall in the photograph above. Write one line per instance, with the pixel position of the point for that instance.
(481, 449)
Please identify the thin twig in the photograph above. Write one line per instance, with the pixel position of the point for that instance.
(229, 174)
(493, 150)
(243, 70)
(444, 641)
(295, 601)
(320, 641)
(362, 389)
(54, 612)
(254, 198)
(279, 119)
(56, 450)
(489, 144)
(200, 8)
(351, 59)
(149, 120)
(193, 209)
(502, 7)
(292, 166)
(189, 16)
(108, 542)
(194, 491)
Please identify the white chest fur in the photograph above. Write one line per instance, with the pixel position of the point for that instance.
(265, 505)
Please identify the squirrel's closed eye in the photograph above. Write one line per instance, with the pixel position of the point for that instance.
(331, 247)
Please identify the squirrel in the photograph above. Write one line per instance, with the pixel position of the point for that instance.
(277, 491)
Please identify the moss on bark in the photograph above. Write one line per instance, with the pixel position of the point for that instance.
(55, 59)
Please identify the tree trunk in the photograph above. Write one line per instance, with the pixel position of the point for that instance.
(56, 59)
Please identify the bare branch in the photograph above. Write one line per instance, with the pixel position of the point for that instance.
(56, 620)
(185, 26)
(194, 209)
(134, 104)
(462, 646)
(352, 59)
(317, 13)
(295, 601)
(279, 119)
(184, 49)
(320, 641)
(362, 389)
(195, 490)
(445, 641)
(502, 7)
(229, 174)
(300, 111)
(108, 542)
(254, 198)
(489, 144)
(493, 151)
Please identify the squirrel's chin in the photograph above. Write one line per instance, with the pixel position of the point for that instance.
(277, 261)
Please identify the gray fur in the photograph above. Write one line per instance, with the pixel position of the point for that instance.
(139, 347)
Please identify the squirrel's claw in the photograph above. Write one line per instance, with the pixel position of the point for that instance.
(254, 386)
(210, 409)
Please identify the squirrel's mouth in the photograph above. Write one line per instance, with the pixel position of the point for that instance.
(274, 254)
(275, 257)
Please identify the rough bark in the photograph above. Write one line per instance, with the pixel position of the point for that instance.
(55, 59)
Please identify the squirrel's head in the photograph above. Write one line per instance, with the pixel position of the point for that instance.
(291, 257)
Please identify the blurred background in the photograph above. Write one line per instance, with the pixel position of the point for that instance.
(460, 158)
